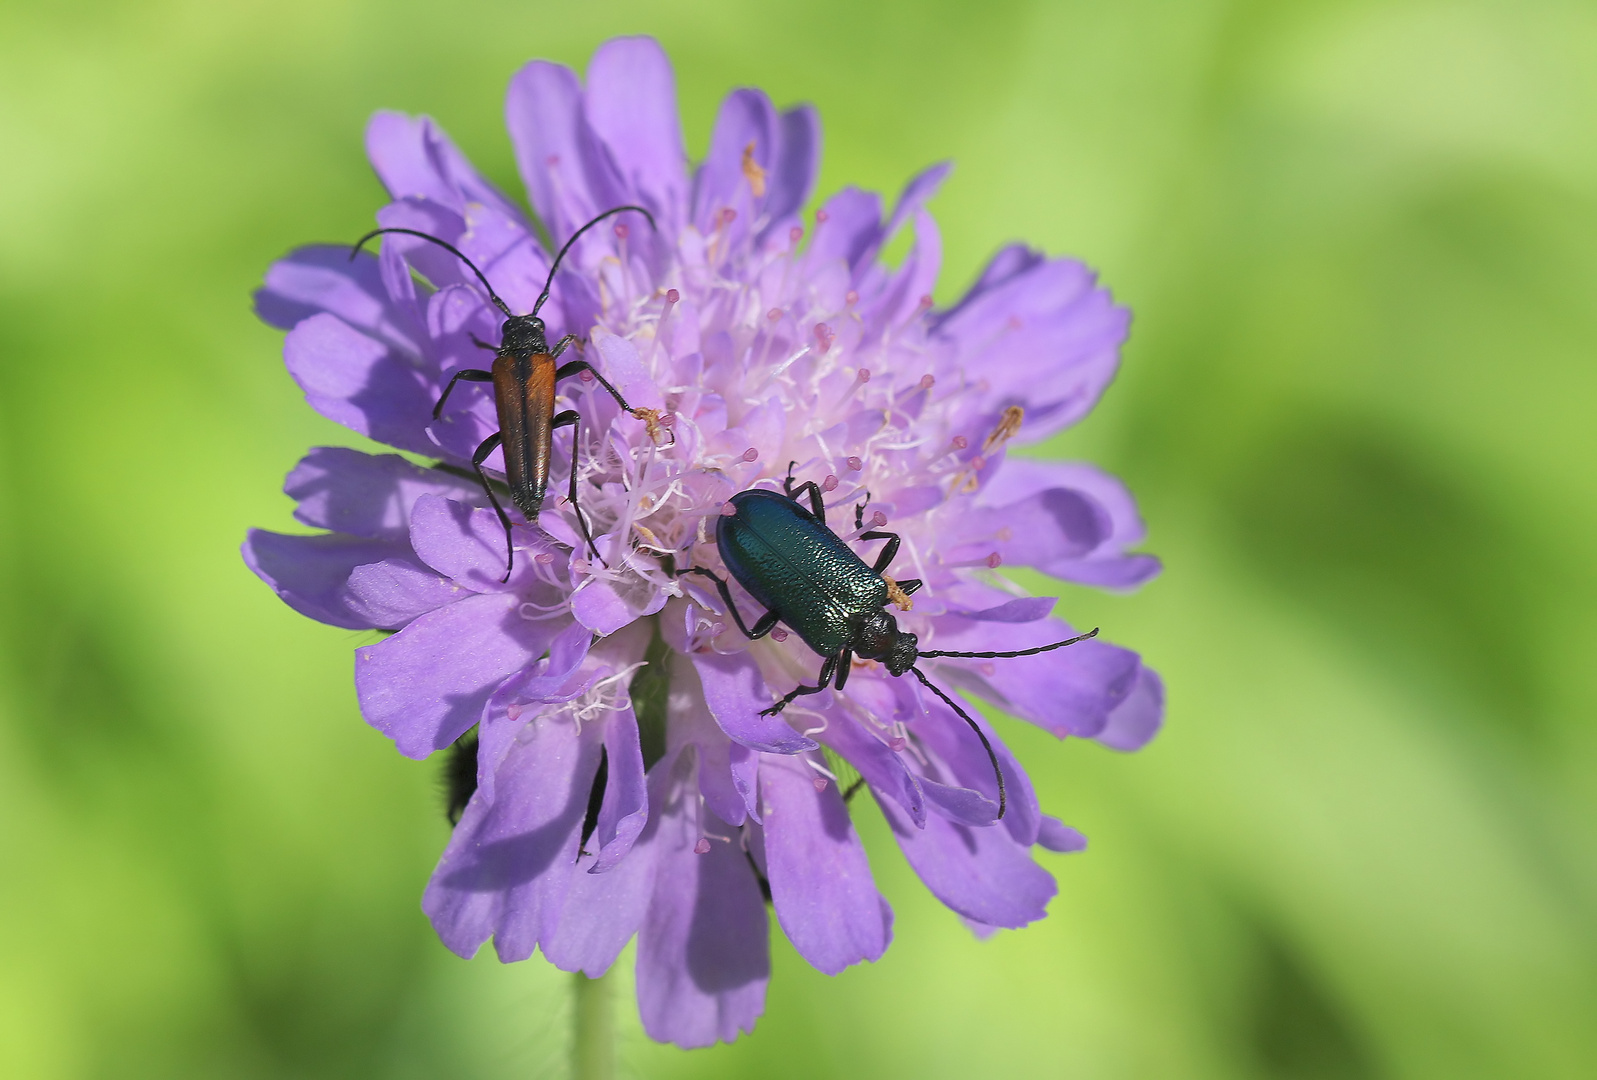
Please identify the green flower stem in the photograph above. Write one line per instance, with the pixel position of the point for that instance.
(593, 1044)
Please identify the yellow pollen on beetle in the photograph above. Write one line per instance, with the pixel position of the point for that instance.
(753, 173)
(898, 596)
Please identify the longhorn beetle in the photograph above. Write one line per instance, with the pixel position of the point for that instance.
(524, 376)
(807, 577)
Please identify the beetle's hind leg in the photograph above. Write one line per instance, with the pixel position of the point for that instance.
(827, 669)
(481, 455)
(570, 419)
(763, 626)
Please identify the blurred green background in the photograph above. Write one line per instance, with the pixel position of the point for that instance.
(1360, 240)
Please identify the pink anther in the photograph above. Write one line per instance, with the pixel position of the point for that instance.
(897, 743)
(927, 382)
(727, 509)
(778, 634)
(851, 298)
(960, 442)
(621, 230)
(543, 558)
(820, 783)
(668, 420)
(702, 847)
(775, 314)
(672, 296)
(824, 335)
(830, 483)
(820, 216)
(751, 454)
(854, 464)
(795, 234)
(513, 712)
(864, 374)
(586, 376)
(926, 300)
(994, 561)
(878, 519)
(728, 215)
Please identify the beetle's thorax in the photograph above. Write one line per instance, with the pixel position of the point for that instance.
(523, 335)
(877, 637)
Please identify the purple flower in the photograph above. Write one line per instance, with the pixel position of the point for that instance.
(627, 782)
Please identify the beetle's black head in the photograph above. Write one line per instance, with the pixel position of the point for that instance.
(879, 638)
(524, 335)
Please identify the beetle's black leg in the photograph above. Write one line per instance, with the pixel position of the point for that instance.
(859, 511)
(565, 370)
(815, 499)
(481, 344)
(885, 559)
(481, 455)
(827, 669)
(787, 482)
(470, 375)
(569, 418)
(560, 346)
(844, 667)
(766, 622)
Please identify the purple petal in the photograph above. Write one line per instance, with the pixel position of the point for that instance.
(605, 606)
(322, 278)
(625, 809)
(747, 119)
(728, 771)
(1055, 835)
(980, 873)
(568, 171)
(359, 382)
(797, 160)
(463, 542)
(558, 677)
(600, 913)
(509, 863)
(962, 804)
(631, 103)
(366, 494)
(1022, 609)
(1044, 337)
(312, 575)
(703, 951)
(1138, 718)
(851, 229)
(1070, 691)
(426, 685)
(415, 159)
(880, 767)
(821, 882)
(1108, 565)
(735, 691)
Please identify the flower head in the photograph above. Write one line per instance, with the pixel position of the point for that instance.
(630, 778)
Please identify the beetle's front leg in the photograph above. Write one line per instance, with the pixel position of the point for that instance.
(560, 347)
(766, 623)
(650, 417)
(885, 559)
(827, 669)
(468, 374)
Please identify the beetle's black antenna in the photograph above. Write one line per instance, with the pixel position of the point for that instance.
(549, 282)
(1023, 652)
(963, 715)
(498, 303)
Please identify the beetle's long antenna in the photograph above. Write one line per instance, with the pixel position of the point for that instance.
(980, 734)
(498, 303)
(549, 282)
(1020, 652)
